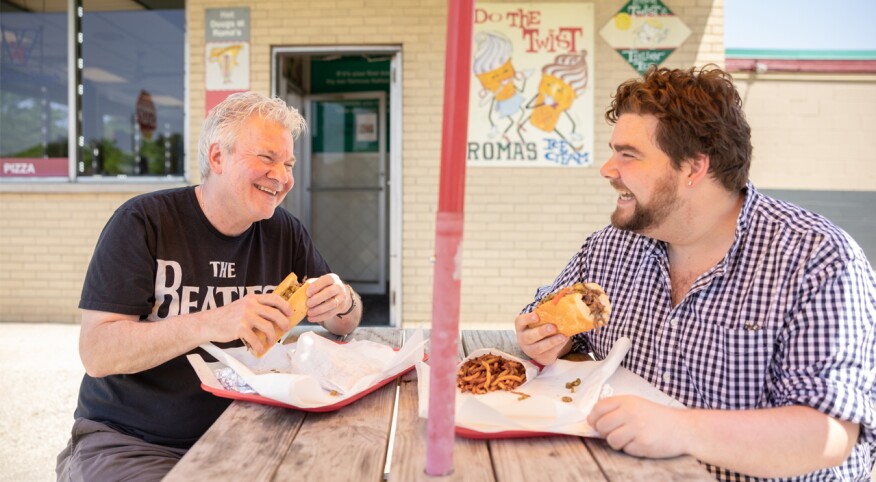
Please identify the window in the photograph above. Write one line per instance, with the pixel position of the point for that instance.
(129, 80)
(34, 125)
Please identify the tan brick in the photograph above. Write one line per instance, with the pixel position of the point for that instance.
(501, 203)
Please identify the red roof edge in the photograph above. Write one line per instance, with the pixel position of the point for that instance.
(798, 65)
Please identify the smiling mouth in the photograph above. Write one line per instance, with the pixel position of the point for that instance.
(264, 189)
(625, 195)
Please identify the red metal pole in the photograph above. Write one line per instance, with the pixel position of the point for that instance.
(448, 240)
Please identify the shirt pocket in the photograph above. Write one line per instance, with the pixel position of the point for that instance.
(749, 350)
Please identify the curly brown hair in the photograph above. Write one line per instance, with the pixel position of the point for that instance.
(698, 112)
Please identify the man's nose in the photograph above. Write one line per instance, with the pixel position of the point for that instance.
(609, 169)
(282, 174)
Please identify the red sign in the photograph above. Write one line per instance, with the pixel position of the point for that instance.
(215, 97)
(146, 116)
(11, 167)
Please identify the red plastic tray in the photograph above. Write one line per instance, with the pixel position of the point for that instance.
(474, 434)
(253, 397)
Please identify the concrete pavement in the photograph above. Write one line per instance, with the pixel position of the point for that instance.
(40, 373)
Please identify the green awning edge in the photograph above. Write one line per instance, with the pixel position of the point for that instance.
(801, 54)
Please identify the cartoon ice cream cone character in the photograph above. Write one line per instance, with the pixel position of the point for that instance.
(226, 57)
(561, 83)
(493, 67)
(652, 32)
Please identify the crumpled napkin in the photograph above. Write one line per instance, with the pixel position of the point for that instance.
(346, 367)
(337, 374)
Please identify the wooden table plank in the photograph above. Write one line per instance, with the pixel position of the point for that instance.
(504, 340)
(471, 458)
(249, 441)
(544, 458)
(234, 444)
(227, 447)
(351, 443)
(558, 458)
(620, 466)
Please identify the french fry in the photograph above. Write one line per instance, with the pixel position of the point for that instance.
(488, 373)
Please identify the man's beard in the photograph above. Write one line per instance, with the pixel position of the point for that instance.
(645, 217)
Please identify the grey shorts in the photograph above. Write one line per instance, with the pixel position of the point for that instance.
(96, 452)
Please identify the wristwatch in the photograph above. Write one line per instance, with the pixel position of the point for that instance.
(352, 304)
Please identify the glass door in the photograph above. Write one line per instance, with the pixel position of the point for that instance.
(346, 201)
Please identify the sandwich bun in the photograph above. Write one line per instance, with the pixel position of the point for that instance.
(295, 294)
(575, 309)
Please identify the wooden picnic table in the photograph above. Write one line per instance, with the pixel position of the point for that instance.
(383, 432)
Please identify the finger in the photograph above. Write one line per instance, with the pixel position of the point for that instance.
(542, 334)
(272, 308)
(250, 337)
(548, 346)
(277, 302)
(522, 322)
(636, 448)
(264, 325)
(325, 297)
(534, 335)
(600, 409)
(323, 282)
(619, 438)
(324, 310)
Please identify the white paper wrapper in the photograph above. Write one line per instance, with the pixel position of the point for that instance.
(544, 410)
(303, 374)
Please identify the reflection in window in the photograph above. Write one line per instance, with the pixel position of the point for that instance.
(33, 87)
(133, 88)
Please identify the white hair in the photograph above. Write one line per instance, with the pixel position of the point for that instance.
(227, 118)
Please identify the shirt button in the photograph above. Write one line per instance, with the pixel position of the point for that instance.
(673, 322)
(666, 377)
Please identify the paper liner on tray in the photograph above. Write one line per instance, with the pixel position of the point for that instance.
(423, 371)
(545, 411)
(291, 378)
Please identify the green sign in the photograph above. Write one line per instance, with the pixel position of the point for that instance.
(644, 33)
(349, 74)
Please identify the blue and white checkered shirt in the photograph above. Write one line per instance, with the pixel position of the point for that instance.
(786, 318)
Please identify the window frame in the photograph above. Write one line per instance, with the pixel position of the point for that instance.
(76, 139)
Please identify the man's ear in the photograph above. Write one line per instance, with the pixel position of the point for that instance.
(215, 158)
(697, 168)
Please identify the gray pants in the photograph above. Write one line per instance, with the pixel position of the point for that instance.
(96, 452)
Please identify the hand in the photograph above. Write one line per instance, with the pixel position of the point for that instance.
(640, 427)
(326, 297)
(542, 343)
(266, 313)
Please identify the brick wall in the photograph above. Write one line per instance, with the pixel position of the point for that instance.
(521, 227)
(46, 241)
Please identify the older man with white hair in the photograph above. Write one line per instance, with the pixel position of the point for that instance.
(181, 267)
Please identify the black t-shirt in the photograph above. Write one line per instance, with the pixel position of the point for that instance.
(158, 257)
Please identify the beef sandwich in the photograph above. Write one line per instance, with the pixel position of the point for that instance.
(575, 309)
(295, 294)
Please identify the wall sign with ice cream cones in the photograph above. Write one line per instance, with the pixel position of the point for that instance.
(226, 53)
(531, 96)
(644, 33)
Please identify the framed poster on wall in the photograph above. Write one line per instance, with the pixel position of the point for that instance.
(531, 94)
